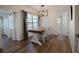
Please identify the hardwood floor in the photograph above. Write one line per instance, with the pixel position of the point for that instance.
(54, 45)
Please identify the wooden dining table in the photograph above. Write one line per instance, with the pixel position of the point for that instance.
(37, 32)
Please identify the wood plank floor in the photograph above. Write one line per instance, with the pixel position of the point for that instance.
(54, 45)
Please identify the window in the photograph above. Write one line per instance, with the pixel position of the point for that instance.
(32, 21)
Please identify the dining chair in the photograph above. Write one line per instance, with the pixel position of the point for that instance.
(45, 36)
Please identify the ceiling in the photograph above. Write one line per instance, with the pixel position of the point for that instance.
(38, 7)
(56, 7)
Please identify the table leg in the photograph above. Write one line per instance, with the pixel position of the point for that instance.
(35, 39)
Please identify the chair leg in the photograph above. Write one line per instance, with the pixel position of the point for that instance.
(46, 38)
(43, 39)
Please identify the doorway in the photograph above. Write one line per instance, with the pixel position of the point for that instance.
(63, 24)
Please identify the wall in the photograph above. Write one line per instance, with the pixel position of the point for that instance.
(50, 21)
(74, 26)
(72, 30)
(71, 34)
(18, 18)
(52, 18)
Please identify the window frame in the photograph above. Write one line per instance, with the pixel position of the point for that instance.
(32, 20)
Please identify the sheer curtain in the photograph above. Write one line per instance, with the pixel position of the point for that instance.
(8, 27)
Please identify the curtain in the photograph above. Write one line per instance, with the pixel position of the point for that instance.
(8, 27)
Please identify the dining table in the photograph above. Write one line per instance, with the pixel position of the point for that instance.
(37, 33)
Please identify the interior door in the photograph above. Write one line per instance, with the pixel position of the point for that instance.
(63, 24)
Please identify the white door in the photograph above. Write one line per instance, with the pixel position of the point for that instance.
(63, 24)
(59, 21)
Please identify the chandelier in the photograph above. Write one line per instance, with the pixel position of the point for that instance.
(43, 12)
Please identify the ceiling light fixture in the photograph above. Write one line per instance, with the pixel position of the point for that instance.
(43, 12)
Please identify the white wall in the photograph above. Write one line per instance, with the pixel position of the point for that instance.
(72, 30)
(71, 34)
(74, 26)
(51, 21)
(18, 19)
(53, 14)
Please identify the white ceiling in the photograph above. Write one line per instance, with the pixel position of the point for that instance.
(56, 7)
(38, 7)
